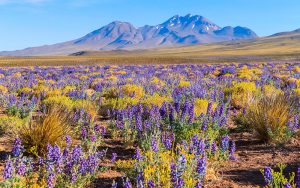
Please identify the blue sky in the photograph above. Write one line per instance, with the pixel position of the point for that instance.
(26, 23)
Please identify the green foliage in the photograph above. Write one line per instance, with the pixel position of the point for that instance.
(279, 179)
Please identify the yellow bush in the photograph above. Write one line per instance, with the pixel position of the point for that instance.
(131, 90)
(69, 104)
(156, 100)
(184, 83)
(241, 93)
(64, 101)
(157, 81)
(120, 103)
(54, 92)
(3, 89)
(25, 90)
(201, 106)
(11, 123)
(297, 69)
(271, 90)
(297, 91)
(68, 88)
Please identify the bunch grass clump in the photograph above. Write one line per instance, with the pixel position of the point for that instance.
(269, 115)
(49, 129)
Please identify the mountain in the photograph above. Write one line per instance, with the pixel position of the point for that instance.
(176, 31)
(297, 31)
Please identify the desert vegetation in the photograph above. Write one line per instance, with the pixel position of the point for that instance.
(158, 125)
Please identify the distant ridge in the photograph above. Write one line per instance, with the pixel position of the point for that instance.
(286, 33)
(176, 31)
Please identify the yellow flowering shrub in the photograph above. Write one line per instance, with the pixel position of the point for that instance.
(112, 78)
(17, 75)
(131, 90)
(184, 83)
(8, 123)
(157, 81)
(69, 104)
(25, 90)
(242, 92)
(201, 106)
(3, 89)
(68, 88)
(120, 103)
(156, 100)
(297, 69)
(297, 91)
(54, 92)
(271, 90)
(83, 77)
(119, 73)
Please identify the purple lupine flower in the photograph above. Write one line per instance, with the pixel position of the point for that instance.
(83, 166)
(147, 124)
(73, 177)
(204, 125)
(140, 180)
(17, 148)
(20, 167)
(221, 111)
(114, 184)
(287, 185)
(232, 150)
(68, 140)
(163, 110)
(138, 154)
(198, 185)
(225, 143)
(181, 165)
(201, 166)
(213, 147)
(8, 170)
(150, 184)
(180, 183)
(191, 113)
(209, 106)
(113, 157)
(200, 147)
(92, 163)
(268, 175)
(51, 180)
(171, 113)
(83, 133)
(97, 128)
(173, 174)
(120, 124)
(103, 130)
(127, 184)
(93, 138)
(185, 110)
(177, 107)
(154, 145)
(139, 123)
(76, 153)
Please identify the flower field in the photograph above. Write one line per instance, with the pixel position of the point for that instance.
(146, 126)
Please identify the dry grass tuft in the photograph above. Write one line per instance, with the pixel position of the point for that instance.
(269, 115)
(50, 129)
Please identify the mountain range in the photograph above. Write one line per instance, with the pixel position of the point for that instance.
(176, 31)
